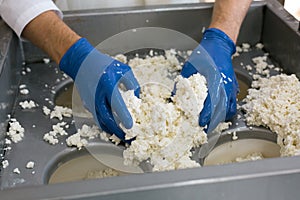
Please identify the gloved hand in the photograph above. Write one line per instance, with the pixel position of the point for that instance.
(97, 77)
(212, 58)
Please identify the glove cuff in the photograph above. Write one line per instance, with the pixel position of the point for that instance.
(213, 33)
(75, 55)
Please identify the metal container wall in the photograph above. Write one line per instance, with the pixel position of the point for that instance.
(276, 178)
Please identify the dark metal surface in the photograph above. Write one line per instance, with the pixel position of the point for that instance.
(10, 65)
(281, 37)
(267, 179)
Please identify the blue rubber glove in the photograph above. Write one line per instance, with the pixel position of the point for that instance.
(97, 77)
(212, 58)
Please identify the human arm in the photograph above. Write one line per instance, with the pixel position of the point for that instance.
(212, 58)
(95, 74)
(228, 16)
(48, 32)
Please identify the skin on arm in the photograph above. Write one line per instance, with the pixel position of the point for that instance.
(228, 16)
(48, 32)
(56, 37)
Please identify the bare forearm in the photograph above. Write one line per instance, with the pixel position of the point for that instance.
(50, 33)
(228, 16)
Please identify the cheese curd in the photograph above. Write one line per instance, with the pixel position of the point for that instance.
(28, 104)
(15, 131)
(59, 112)
(30, 165)
(17, 171)
(275, 103)
(79, 139)
(5, 164)
(57, 130)
(165, 128)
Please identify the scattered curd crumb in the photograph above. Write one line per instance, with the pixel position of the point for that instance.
(78, 139)
(248, 67)
(16, 171)
(46, 60)
(15, 131)
(223, 126)
(30, 165)
(121, 58)
(7, 141)
(115, 139)
(22, 86)
(245, 47)
(261, 66)
(151, 53)
(239, 49)
(57, 130)
(250, 157)
(5, 164)
(28, 69)
(24, 91)
(28, 104)
(256, 76)
(104, 136)
(259, 46)
(60, 112)
(51, 139)
(234, 136)
(236, 54)
(277, 69)
(244, 158)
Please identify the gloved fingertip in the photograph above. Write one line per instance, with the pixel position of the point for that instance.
(107, 121)
(205, 113)
(203, 121)
(120, 134)
(129, 141)
(128, 123)
(120, 110)
(174, 90)
(130, 81)
(137, 92)
(204, 117)
(232, 109)
(187, 70)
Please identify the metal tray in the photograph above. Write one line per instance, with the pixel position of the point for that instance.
(276, 178)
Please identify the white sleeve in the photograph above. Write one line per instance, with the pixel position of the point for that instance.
(18, 13)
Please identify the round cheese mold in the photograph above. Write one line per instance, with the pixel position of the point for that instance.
(251, 145)
(76, 165)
